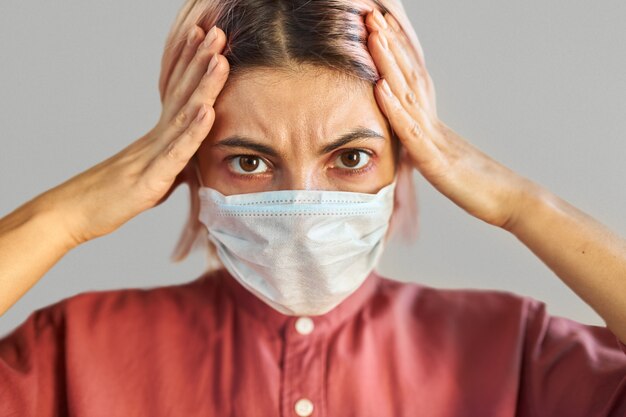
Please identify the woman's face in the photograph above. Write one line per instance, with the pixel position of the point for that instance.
(307, 131)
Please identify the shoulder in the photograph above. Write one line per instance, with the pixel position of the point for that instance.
(415, 301)
(129, 309)
(465, 299)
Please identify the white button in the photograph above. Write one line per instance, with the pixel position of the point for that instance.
(305, 325)
(304, 407)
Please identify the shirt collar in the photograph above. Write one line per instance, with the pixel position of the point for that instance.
(277, 321)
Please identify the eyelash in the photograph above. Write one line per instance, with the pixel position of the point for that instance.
(346, 171)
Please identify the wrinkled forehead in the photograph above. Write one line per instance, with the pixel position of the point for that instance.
(284, 105)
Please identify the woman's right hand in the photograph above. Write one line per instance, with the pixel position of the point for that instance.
(101, 199)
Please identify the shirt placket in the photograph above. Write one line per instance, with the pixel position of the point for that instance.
(302, 380)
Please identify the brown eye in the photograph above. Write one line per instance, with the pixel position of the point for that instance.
(248, 164)
(350, 159)
(353, 159)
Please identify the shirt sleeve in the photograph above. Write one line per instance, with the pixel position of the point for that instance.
(571, 369)
(32, 366)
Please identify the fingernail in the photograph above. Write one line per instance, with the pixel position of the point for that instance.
(213, 63)
(191, 36)
(386, 88)
(383, 40)
(210, 37)
(380, 20)
(201, 113)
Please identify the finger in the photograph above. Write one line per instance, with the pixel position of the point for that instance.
(415, 54)
(206, 93)
(405, 58)
(375, 22)
(173, 158)
(211, 84)
(409, 57)
(395, 26)
(414, 133)
(213, 43)
(393, 63)
(379, 49)
(412, 99)
(195, 36)
(415, 76)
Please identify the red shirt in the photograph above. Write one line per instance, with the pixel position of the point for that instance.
(211, 348)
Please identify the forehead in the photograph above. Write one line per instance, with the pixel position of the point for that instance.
(283, 105)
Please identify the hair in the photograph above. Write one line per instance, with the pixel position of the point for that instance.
(285, 35)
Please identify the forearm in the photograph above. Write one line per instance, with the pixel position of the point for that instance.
(32, 240)
(585, 254)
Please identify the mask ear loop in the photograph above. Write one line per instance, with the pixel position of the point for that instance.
(189, 237)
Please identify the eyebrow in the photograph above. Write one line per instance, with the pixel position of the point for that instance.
(358, 133)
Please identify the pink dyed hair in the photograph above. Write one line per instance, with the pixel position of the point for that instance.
(280, 34)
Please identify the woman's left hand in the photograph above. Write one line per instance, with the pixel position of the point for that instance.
(475, 182)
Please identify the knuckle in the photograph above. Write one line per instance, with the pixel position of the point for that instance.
(181, 120)
(173, 152)
(177, 93)
(415, 131)
(192, 136)
(414, 75)
(410, 98)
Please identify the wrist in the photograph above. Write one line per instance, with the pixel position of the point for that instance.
(47, 215)
(533, 200)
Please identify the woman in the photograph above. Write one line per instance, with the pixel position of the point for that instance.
(297, 322)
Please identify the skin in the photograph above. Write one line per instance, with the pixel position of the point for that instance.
(298, 130)
(588, 257)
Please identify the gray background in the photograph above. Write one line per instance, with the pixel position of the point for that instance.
(537, 85)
